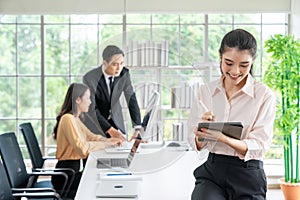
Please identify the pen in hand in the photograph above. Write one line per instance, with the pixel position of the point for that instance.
(211, 116)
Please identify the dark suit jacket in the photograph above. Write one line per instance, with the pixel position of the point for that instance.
(99, 109)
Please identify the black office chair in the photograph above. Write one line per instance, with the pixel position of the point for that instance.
(16, 170)
(8, 193)
(34, 150)
(36, 156)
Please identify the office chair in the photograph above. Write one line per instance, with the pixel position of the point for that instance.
(8, 193)
(32, 144)
(36, 156)
(16, 170)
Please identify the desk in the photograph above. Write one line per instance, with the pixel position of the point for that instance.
(174, 180)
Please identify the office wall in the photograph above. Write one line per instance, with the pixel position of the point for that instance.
(117, 6)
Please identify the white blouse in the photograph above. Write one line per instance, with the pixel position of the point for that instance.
(254, 105)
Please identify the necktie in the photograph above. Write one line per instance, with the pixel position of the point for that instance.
(111, 84)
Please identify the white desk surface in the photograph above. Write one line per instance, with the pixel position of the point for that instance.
(166, 174)
(161, 179)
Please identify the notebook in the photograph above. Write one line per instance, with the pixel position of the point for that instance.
(231, 129)
(120, 162)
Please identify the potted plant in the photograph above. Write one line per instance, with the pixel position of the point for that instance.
(282, 75)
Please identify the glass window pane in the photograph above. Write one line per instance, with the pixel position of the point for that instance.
(110, 35)
(49, 137)
(247, 18)
(215, 35)
(78, 79)
(220, 19)
(274, 18)
(29, 19)
(56, 18)
(8, 49)
(7, 126)
(57, 49)
(192, 18)
(268, 30)
(56, 89)
(165, 18)
(108, 18)
(29, 49)
(192, 43)
(256, 71)
(8, 97)
(8, 19)
(169, 33)
(84, 51)
(29, 100)
(84, 19)
(138, 32)
(138, 19)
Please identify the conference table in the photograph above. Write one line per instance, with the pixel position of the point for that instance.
(166, 173)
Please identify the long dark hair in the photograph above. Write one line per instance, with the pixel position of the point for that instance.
(240, 39)
(74, 91)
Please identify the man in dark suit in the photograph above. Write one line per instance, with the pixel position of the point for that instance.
(107, 83)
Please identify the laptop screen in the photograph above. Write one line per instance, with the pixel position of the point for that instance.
(149, 119)
(134, 148)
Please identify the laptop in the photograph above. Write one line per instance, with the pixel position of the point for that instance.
(148, 123)
(120, 162)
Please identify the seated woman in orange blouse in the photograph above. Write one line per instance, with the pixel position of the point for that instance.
(74, 140)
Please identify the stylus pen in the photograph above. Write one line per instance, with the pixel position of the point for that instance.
(203, 106)
(206, 110)
(120, 174)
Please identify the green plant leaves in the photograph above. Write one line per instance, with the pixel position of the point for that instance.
(282, 75)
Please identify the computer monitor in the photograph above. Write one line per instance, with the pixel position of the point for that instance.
(150, 116)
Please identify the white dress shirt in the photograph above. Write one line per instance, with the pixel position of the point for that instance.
(254, 106)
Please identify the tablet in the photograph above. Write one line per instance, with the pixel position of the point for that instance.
(231, 129)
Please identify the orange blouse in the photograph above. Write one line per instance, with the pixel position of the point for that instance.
(75, 140)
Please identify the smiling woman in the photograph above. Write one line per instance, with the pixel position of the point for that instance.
(236, 96)
(74, 140)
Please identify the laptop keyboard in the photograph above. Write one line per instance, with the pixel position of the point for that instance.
(115, 162)
(118, 162)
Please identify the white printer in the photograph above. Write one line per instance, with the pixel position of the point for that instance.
(118, 185)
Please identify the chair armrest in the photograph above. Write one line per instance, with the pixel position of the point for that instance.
(38, 195)
(18, 190)
(51, 173)
(69, 170)
(48, 173)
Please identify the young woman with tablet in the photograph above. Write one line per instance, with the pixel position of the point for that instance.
(234, 168)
